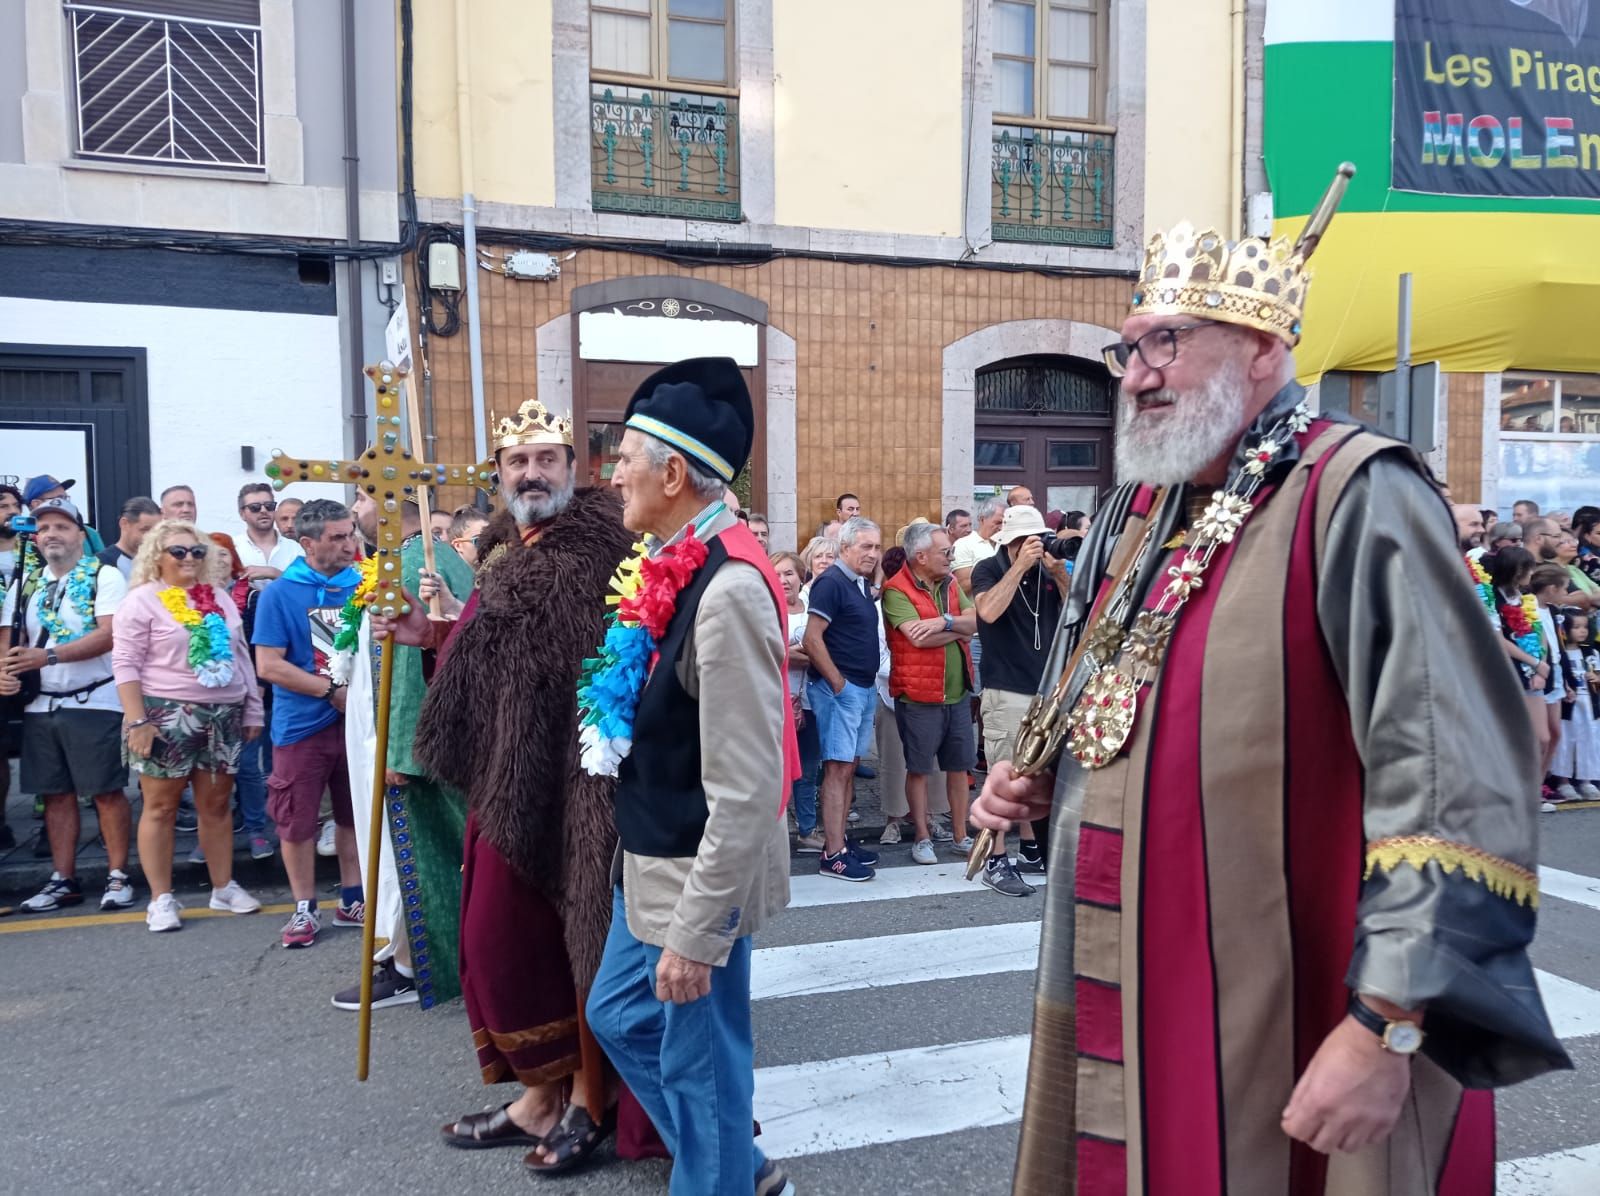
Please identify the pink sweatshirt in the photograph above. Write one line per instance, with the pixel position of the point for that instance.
(151, 647)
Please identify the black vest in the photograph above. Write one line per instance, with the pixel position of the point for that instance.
(661, 804)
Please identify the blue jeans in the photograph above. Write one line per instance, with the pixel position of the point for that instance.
(804, 794)
(691, 1066)
(250, 786)
(844, 719)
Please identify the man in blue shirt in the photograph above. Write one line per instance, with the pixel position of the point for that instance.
(308, 711)
(842, 643)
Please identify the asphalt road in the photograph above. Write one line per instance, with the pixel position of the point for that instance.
(211, 1059)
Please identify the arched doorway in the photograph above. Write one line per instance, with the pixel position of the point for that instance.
(1044, 421)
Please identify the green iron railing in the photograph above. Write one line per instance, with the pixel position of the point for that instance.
(665, 153)
(1054, 186)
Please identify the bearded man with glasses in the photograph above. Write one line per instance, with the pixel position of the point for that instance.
(1285, 941)
(264, 553)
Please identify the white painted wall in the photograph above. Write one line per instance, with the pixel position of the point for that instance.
(216, 380)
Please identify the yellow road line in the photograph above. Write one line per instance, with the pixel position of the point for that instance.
(71, 921)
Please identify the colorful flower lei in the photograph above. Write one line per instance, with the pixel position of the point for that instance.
(80, 592)
(644, 593)
(210, 641)
(356, 605)
(1520, 619)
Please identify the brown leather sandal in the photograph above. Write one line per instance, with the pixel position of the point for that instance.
(494, 1127)
(571, 1143)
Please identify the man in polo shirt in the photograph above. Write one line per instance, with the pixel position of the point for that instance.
(979, 544)
(931, 623)
(1018, 594)
(841, 641)
(263, 552)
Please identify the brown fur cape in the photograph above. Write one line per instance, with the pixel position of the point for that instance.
(500, 720)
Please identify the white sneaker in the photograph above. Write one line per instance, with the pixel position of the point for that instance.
(891, 833)
(922, 853)
(119, 891)
(1566, 792)
(1588, 792)
(1549, 807)
(232, 899)
(963, 845)
(326, 846)
(854, 816)
(162, 914)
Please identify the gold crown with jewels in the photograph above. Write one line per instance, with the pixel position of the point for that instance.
(1254, 282)
(532, 424)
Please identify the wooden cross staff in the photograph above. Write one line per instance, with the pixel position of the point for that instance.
(392, 476)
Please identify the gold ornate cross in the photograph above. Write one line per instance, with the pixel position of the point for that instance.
(388, 472)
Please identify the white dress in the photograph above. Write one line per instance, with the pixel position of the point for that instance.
(1578, 753)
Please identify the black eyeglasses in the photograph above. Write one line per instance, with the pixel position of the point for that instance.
(179, 551)
(255, 508)
(1157, 348)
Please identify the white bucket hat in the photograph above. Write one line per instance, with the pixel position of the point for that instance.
(1020, 522)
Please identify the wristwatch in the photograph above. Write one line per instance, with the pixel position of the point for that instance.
(332, 686)
(949, 623)
(50, 660)
(1399, 1037)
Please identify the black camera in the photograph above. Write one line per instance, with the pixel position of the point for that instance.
(1063, 548)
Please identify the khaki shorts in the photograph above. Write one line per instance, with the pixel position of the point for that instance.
(1002, 715)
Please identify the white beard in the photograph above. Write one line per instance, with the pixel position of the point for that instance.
(1173, 444)
(532, 507)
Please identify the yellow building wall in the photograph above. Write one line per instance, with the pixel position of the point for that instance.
(867, 122)
(512, 94)
(1188, 111)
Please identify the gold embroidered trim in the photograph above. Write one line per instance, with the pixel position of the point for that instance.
(1501, 877)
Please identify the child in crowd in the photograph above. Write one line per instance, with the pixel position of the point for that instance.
(1549, 585)
(1576, 766)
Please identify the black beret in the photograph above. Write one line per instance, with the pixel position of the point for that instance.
(701, 407)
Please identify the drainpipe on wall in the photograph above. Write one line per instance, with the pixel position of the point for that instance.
(1236, 122)
(352, 231)
(469, 228)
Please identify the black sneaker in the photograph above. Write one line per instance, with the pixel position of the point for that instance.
(59, 891)
(844, 866)
(999, 875)
(1033, 865)
(771, 1181)
(389, 987)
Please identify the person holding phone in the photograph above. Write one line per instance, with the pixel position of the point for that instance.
(190, 703)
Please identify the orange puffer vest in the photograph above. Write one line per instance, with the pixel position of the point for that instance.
(917, 674)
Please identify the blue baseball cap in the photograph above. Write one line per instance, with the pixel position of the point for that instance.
(38, 487)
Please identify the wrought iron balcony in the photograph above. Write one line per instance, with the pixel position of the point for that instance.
(149, 88)
(665, 153)
(1054, 186)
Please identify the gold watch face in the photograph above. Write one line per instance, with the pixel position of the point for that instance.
(1403, 1038)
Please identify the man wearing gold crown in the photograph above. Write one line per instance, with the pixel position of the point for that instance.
(499, 723)
(1285, 941)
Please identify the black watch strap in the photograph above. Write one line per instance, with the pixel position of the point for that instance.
(1368, 1016)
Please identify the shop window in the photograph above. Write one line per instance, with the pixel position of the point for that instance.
(1550, 440)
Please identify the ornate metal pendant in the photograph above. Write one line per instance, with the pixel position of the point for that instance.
(1103, 718)
(1105, 640)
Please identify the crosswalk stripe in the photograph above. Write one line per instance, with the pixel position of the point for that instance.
(891, 959)
(891, 884)
(1574, 1008)
(890, 1096)
(1560, 1173)
(1570, 886)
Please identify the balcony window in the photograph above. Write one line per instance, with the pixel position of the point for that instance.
(1047, 56)
(171, 82)
(664, 118)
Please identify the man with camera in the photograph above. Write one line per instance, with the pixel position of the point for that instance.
(1018, 591)
(72, 729)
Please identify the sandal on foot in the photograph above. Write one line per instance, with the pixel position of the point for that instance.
(571, 1143)
(494, 1127)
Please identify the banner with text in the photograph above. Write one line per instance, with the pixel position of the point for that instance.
(1497, 98)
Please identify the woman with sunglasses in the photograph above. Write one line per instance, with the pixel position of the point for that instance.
(189, 703)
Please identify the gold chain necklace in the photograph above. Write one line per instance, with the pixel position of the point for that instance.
(1125, 661)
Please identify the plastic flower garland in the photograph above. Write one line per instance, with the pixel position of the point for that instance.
(80, 592)
(344, 644)
(210, 642)
(1521, 619)
(645, 593)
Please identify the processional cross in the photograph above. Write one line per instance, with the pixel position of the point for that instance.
(392, 476)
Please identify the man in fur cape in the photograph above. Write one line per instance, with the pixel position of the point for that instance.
(499, 723)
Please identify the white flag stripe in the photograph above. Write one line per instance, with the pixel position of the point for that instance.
(892, 884)
(892, 1096)
(1570, 886)
(1561, 1173)
(1574, 1009)
(892, 959)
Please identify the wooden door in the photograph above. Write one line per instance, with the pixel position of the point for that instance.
(1045, 423)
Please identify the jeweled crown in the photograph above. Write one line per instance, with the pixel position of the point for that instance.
(532, 424)
(1255, 282)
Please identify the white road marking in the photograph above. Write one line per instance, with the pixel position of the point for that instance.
(893, 959)
(893, 1096)
(891, 884)
(1574, 1008)
(1570, 886)
(1561, 1173)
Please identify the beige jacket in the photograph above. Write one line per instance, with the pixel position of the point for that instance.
(733, 665)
